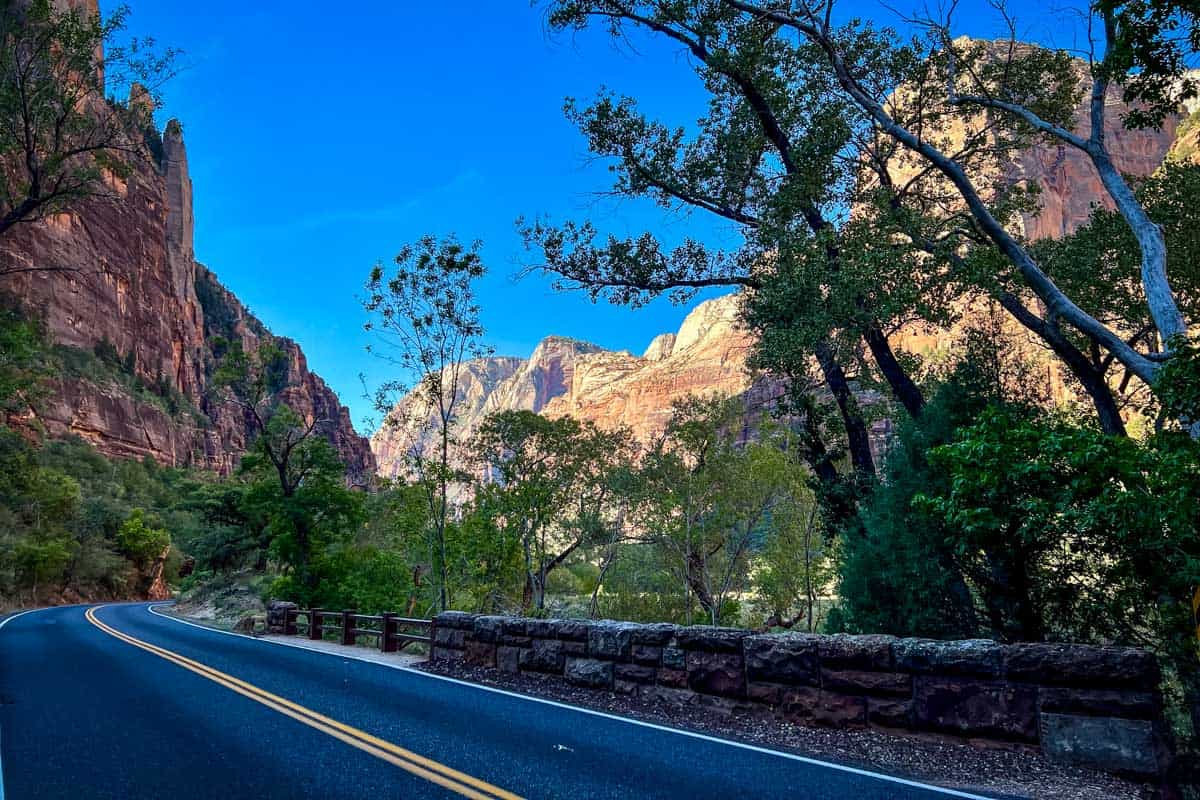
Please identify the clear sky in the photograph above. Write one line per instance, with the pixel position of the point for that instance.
(322, 136)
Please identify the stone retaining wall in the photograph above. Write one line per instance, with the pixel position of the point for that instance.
(1094, 706)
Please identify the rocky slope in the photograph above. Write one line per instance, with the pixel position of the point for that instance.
(567, 376)
(124, 282)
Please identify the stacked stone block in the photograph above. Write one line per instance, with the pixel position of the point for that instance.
(1095, 706)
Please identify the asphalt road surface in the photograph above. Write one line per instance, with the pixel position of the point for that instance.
(118, 702)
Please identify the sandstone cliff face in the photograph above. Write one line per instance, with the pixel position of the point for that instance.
(708, 357)
(123, 276)
(569, 377)
(410, 430)
(1070, 185)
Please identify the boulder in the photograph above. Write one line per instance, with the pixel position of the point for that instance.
(981, 658)
(789, 658)
(716, 673)
(589, 672)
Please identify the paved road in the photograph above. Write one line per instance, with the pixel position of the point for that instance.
(123, 703)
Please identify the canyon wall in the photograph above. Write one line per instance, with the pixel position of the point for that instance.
(569, 377)
(117, 276)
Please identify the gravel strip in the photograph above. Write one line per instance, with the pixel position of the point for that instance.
(1012, 773)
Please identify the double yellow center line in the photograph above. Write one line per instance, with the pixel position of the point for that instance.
(418, 765)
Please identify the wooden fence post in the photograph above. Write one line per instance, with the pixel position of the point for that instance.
(348, 626)
(314, 624)
(387, 637)
(289, 622)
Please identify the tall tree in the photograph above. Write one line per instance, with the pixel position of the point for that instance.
(289, 452)
(1025, 89)
(298, 490)
(426, 322)
(552, 483)
(810, 119)
(706, 495)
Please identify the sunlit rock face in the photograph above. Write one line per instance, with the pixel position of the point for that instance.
(567, 376)
(1069, 186)
(1069, 191)
(708, 357)
(119, 274)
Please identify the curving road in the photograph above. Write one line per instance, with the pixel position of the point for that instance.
(118, 702)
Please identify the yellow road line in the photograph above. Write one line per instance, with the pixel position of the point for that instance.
(430, 770)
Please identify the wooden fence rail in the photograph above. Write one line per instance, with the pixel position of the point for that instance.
(391, 631)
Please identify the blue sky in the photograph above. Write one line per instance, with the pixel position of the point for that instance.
(321, 137)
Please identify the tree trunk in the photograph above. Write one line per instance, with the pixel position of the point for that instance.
(857, 436)
(698, 587)
(903, 387)
(1085, 372)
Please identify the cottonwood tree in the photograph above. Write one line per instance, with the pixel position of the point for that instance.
(60, 136)
(770, 157)
(298, 491)
(425, 320)
(1014, 91)
(809, 120)
(705, 496)
(552, 484)
(795, 565)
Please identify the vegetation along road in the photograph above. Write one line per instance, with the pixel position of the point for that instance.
(119, 702)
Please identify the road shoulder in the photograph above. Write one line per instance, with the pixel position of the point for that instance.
(1018, 772)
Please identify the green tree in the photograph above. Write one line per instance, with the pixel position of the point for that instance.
(141, 540)
(706, 497)
(426, 320)
(549, 484)
(795, 563)
(297, 489)
(23, 365)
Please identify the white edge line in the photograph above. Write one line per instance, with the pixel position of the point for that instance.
(679, 731)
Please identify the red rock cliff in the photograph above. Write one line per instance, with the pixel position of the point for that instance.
(123, 281)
